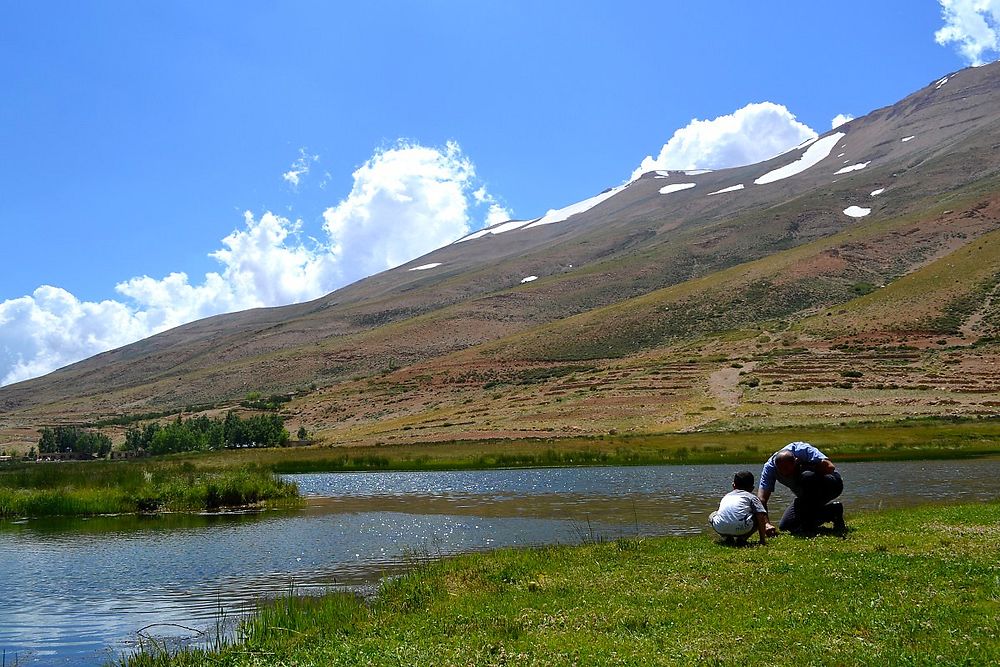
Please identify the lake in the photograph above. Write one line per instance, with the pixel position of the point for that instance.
(75, 591)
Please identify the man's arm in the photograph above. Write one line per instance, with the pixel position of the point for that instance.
(812, 457)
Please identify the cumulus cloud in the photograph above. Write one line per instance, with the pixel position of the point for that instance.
(299, 168)
(497, 214)
(52, 328)
(840, 119)
(406, 201)
(754, 133)
(973, 27)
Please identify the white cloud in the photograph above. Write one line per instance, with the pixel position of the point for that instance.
(973, 26)
(406, 201)
(754, 133)
(840, 119)
(52, 328)
(299, 168)
(497, 214)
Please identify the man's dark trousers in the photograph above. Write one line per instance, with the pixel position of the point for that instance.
(811, 505)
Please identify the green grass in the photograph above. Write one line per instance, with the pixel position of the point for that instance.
(906, 587)
(91, 488)
(906, 440)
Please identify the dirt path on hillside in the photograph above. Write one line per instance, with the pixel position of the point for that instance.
(968, 328)
(725, 384)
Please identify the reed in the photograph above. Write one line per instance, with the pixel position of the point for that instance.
(60, 502)
(91, 488)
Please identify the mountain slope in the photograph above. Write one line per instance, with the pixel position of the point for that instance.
(668, 259)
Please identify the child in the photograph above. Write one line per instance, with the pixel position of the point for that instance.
(740, 513)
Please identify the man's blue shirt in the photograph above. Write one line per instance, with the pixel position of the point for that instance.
(804, 452)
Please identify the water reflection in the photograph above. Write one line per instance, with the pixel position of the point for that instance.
(74, 587)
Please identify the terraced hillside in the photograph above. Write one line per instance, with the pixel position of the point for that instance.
(855, 277)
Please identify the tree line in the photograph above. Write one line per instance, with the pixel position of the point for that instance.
(181, 435)
(203, 433)
(73, 439)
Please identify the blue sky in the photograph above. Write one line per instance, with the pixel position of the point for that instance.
(137, 136)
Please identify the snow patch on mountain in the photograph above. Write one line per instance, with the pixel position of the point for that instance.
(857, 211)
(558, 215)
(813, 155)
(804, 144)
(853, 167)
(876, 193)
(498, 229)
(676, 187)
(732, 188)
(528, 279)
(424, 267)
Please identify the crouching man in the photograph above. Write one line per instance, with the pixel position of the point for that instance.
(740, 512)
(814, 480)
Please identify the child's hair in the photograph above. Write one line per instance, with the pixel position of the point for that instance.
(743, 480)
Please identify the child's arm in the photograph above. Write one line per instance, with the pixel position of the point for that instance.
(763, 495)
(762, 523)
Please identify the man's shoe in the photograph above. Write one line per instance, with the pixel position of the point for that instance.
(838, 517)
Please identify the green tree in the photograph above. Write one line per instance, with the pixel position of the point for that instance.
(175, 437)
(73, 439)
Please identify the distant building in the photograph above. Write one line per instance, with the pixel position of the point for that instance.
(65, 456)
(119, 454)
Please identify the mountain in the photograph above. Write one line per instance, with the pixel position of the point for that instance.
(853, 277)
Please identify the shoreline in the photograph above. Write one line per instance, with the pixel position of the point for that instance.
(241, 478)
(635, 600)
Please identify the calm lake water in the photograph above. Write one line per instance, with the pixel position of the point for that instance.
(75, 591)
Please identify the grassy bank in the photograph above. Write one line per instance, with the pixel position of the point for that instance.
(126, 487)
(916, 439)
(910, 587)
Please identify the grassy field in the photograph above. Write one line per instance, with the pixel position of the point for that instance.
(908, 587)
(90, 488)
(916, 439)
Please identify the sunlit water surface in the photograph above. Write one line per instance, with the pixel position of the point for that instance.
(76, 591)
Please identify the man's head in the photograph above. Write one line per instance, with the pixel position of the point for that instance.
(786, 463)
(743, 481)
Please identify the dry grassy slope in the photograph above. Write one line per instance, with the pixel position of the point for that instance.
(631, 245)
(559, 379)
(789, 284)
(955, 294)
(836, 263)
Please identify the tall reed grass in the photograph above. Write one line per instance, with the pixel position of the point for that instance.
(285, 623)
(89, 488)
